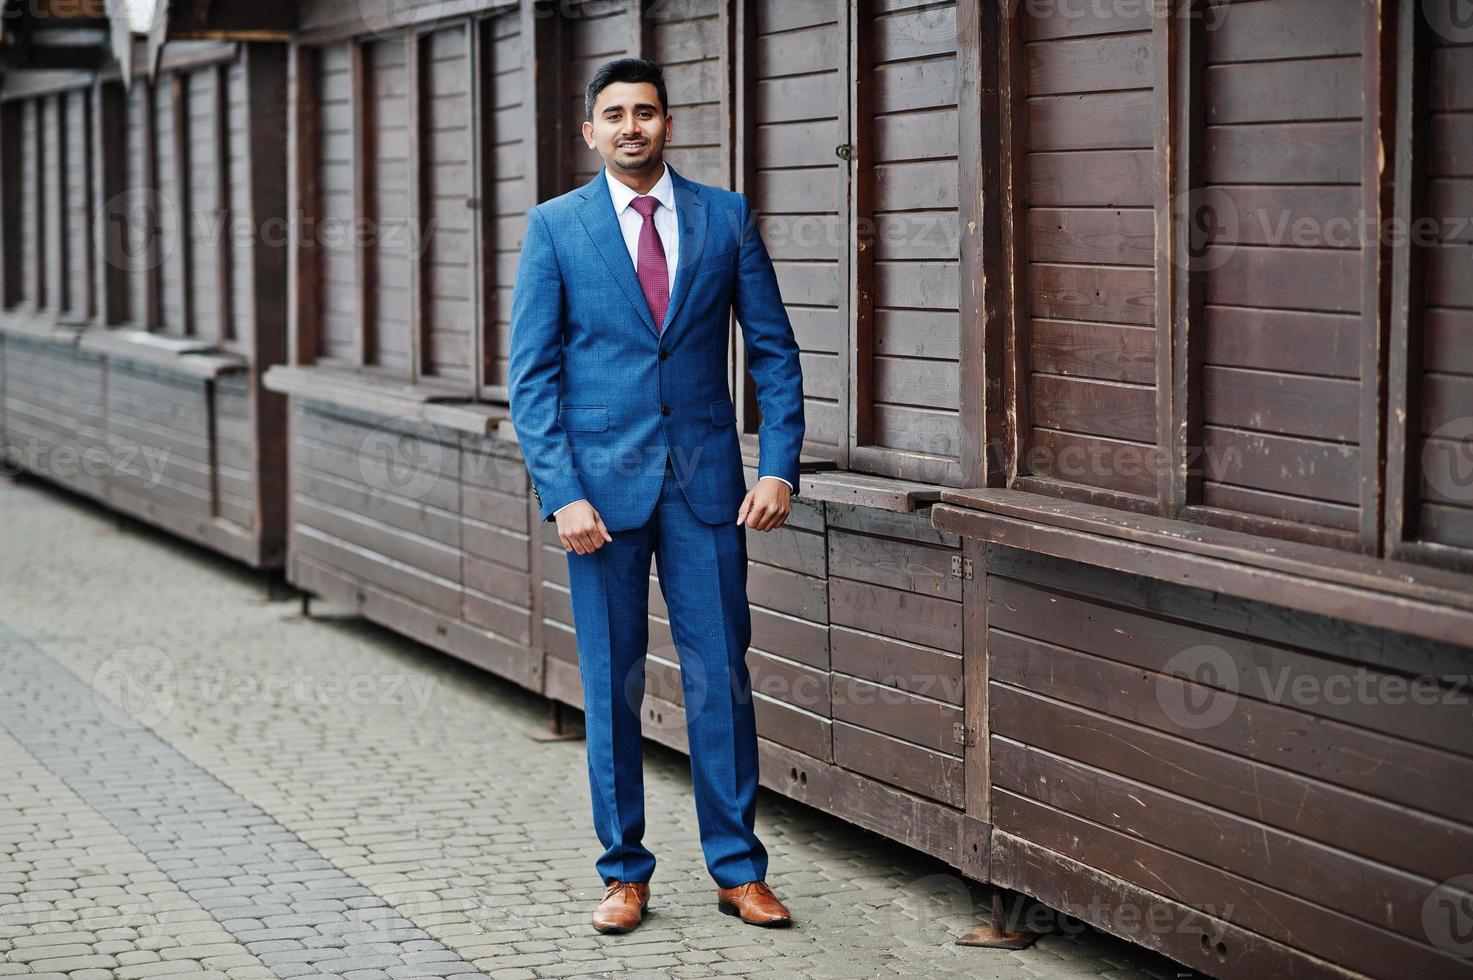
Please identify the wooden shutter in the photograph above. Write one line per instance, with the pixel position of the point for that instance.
(241, 227)
(597, 30)
(687, 39)
(53, 233)
(385, 110)
(904, 368)
(508, 153)
(797, 184)
(31, 238)
(332, 236)
(1086, 299)
(77, 204)
(139, 209)
(1282, 323)
(1430, 391)
(202, 108)
(172, 208)
(447, 268)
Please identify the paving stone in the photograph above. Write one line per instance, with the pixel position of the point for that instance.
(208, 829)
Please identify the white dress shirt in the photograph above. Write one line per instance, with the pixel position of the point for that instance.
(631, 222)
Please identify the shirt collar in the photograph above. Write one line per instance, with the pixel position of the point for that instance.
(622, 193)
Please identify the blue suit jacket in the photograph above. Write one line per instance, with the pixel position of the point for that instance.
(599, 398)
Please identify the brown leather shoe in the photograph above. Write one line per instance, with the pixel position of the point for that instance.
(755, 903)
(622, 907)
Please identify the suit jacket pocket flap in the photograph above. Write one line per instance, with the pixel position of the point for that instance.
(584, 418)
(723, 412)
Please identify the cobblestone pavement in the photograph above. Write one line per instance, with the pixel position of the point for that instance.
(198, 783)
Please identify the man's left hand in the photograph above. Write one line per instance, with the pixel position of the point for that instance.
(766, 506)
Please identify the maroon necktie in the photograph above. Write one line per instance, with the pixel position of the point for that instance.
(654, 274)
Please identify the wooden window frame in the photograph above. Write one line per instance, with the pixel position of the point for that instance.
(1179, 45)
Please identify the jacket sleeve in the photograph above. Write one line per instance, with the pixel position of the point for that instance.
(535, 370)
(772, 354)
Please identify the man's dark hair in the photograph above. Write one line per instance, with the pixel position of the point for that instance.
(625, 70)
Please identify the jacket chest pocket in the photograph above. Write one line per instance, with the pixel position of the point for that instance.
(584, 418)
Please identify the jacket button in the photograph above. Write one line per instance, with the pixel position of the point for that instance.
(664, 354)
(664, 409)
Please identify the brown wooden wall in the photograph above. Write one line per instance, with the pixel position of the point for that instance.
(1318, 821)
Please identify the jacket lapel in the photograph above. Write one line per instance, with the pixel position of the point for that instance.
(691, 211)
(599, 220)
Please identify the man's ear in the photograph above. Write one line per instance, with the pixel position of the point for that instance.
(588, 134)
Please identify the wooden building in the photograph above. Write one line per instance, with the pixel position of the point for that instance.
(1138, 358)
(141, 303)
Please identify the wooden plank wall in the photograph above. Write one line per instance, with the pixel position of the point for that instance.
(508, 149)
(173, 207)
(687, 40)
(30, 237)
(907, 347)
(1086, 307)
(244, 230)
(1281, 365)
(1147, 731)
(447, 165)
(1443, 382)
(50, 166)
(159, 433)
(795, 118)
(76, 194)
(202, 114)
(140, 294)
(387, 306)
(334, 208)
(55, 412)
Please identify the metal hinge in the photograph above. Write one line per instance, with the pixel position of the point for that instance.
(964, 734)
(844, 151)
(961, 567)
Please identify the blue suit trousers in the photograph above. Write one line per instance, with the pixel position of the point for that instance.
(702, 572)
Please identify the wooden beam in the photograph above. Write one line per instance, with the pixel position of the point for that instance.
(1377, 134)
(480, 63)
(856, 385)
(1013, 241)
(359, 148)
(414, 67)
(180, 114)
(981, 369)
(224, 254)
(1408, 264)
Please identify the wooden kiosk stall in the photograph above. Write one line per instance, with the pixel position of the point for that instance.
(1222, 532)
(142, 296)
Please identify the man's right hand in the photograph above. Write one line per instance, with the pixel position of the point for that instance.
(581, 529)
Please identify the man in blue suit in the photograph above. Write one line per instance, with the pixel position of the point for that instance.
(618, 388)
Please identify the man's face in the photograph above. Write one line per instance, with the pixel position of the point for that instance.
(629, 128)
